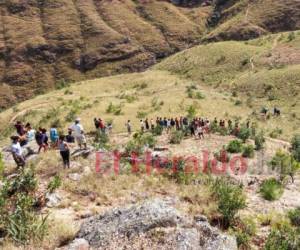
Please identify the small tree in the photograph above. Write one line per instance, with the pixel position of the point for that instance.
(1, 166)
(176, 137)
(230, 199)
(234, 146)
(296, 147)
(285, 164)
(259, 140)
(244, 133)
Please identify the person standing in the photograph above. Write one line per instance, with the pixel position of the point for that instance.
(147, 124)
(142, 126)
(54, 135)
(64, 151)
(77, 128)
(128, 126)
(17, 151)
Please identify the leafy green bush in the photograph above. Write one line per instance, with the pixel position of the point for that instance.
(54, 184)
(244, 133)
(18, 218)
(294, 216)
(157, 130)
(101, 140)
(114, 109)
(139, 141)
(271, 189)
(244, 230)
(275, 133)
(285, 164)
(259, 141)
(296, 147)
(191, 111)
(248, 151)
(234, 146)
(283, 238)
(176, 137)
(230, 198)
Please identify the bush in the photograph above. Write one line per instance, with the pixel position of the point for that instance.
(248, 151)
(283, 238)
(157, 130)
(244, 133)
(101, 140)
(285, 164)
(244, 230)
(275, 133)
(54, 184)
(191, 111)
(259, 141)
(176, 137)
(230, 198)
(294, 216)
(234, 146)
(271, 189)
(296, 147)
(139, 141)
(114, 109)
(18, 218)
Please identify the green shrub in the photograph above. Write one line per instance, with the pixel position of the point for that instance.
(101, 140)
(244, 230)
(191, 111)
(157, 130)
(285, 164)
(294, 216)
(259, 141)
(275, 133)
(296, 147)
(114, 109)
(271, 189)
(54, 184)
(283, 238)
(18, 218)
(230, 198)
(244, 133)
(141, 114)
(234, 146)
(248, 151)
(139, 141)
(176, 137)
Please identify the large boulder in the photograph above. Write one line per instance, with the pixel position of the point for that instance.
(124, 227)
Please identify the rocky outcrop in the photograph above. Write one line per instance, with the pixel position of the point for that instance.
(139, 225)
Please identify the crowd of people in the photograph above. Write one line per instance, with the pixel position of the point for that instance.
(196, 127)
(45, 140)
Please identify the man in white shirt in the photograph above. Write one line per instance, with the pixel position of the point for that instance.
(77, 128)
(17, 151)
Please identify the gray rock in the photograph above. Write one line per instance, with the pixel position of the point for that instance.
(77, 244)
(52, 200)
(137, 220)
(74, 177)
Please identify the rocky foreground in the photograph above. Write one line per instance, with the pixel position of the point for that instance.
(154, 224)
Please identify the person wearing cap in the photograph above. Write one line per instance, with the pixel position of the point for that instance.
(17, 151)
(77, 128)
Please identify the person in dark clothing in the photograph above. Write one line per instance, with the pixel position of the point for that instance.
(177, 123)
(97, 123)
(70, 138)
(64, 151)
(147, 124)
(172, 123)
(20, 128)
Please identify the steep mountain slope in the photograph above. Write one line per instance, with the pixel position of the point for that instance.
(48, 43)
(231, 80)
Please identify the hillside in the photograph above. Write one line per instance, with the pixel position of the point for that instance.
(44, 44)
(233, 80)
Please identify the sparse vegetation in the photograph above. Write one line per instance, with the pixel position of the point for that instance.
(259, 141)
(271, 189)
(230, 199)
(176, 137)
(234, 146)
(248, 151)
(294, 216)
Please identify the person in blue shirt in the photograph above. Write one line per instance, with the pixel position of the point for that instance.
(54, 135)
